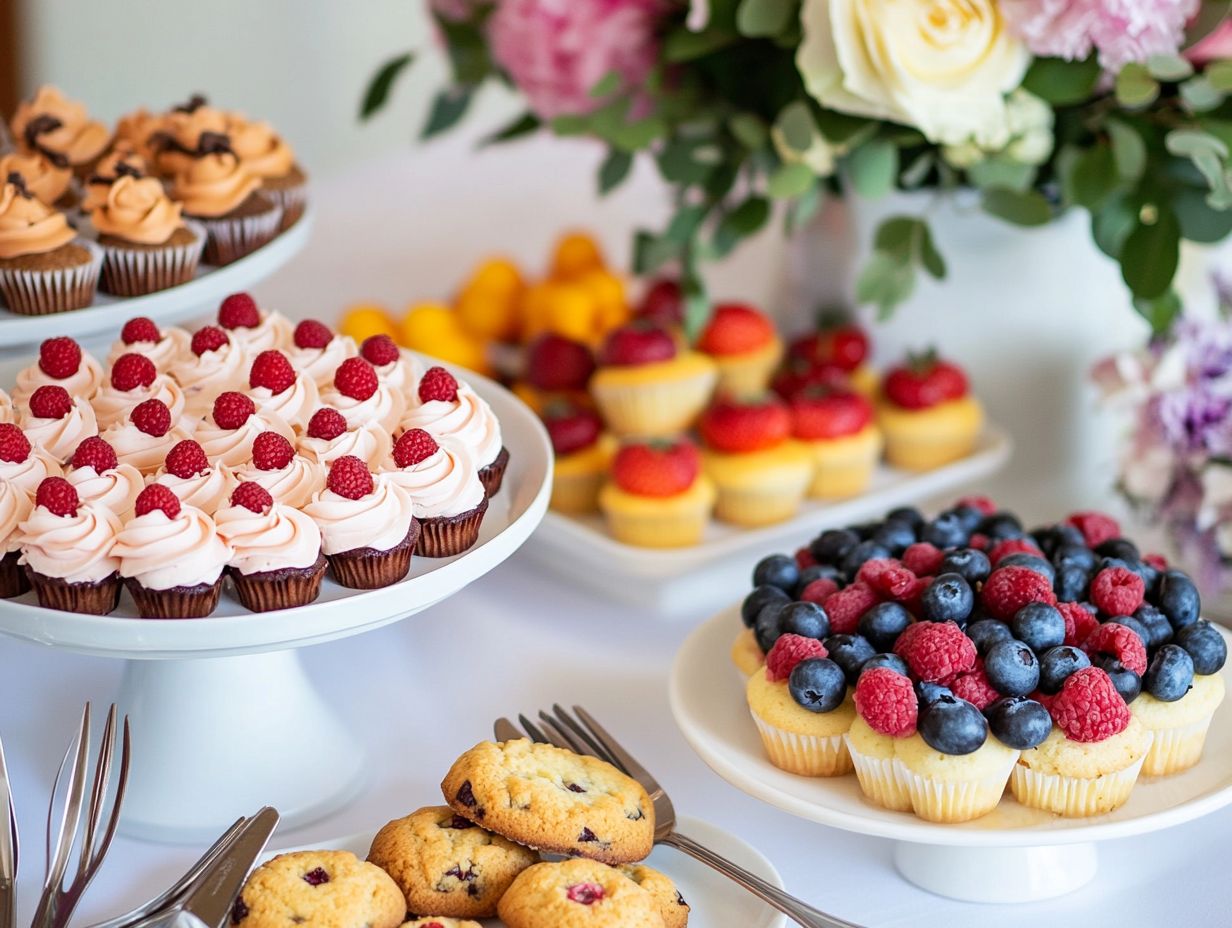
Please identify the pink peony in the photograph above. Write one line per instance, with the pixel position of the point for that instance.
(556, 51)
(1218, 44)
(1120, 30)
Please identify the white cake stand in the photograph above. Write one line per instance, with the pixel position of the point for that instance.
(1013, 854)
(225, 719)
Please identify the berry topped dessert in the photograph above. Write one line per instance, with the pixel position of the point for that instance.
(278, 390)
(838, 347)
(745, 347)
(212, 365)
(359, 394)
(56, 422)
(836, 425)
(657, 496)
(927, 413)
(63, 363)
(316, 351)
(583, 455)
(142, 335)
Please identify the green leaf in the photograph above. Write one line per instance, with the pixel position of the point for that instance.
(382, 82)
(804, 209)
(748, 129)
(930, 257)
(1161, 311)
(523, 125)
(848, 131)
(570, 124)
(885, 281)
(1219, 73)
(1024, 208)
(1188, 143)
(1128, 149)
(763, 18)
(651, 252)
(1200, 95)
(685, 45)
(1062, 83)
(789, 181)
(796, 125)
(1112, 223)
(1002, 172)
(685, 223)
(607, 85)
(898, 235)
(1150, 256)
(1135, 88)
(614, 169)
(873, 168)
(1093, 177)
(697, 307)
(1169, 67)
(449, 106)
(467, 45)
(740, 223)
(1199, 222)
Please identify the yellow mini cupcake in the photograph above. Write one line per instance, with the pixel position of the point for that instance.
(657, 496)
(952, 788)
(872, 756)
(746, 654)
(836, 425)
(1178, 728)
(928, 414)
(583, 457)
(743, 343)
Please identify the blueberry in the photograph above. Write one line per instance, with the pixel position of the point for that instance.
(818, 572)
(947, 599)
(969, 516)
(850, 652)
(817, 684)
(908, 514)
(1170, 674)
(1056, 664)
(777, 570)
(894, 536)
(1071, 583)
(1019, 722)
(1127, 683)
(1052, 537)
(1000, 526)
(1179, 599)
(865, 529)
(1078, 555)
(946, 531)
(883, 623)
(987, 632)
(768, 627)
(1031, 562)
(1123, 548)
(1134, 626)
(1040, 625)
(1157, 626)
(832, 545)
(806, 619)
(1012, 668)
(760, 597)
(1204, 645)
(969, 563)
(952, 726)
(928, 693)
(864, 551)
(889, 661)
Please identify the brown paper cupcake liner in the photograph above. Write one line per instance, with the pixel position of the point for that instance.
(446, 536)
(231, 238)
(13, 581)
(178, 602)
(41, 293)
(270, 590)
(136, 272)
(493, 475)
(98, 598)
(293, 200)
(370, 569)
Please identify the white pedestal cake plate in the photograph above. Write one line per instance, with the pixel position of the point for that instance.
(224, 717)
(1013, 854)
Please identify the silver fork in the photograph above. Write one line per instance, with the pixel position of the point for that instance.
(8, 851)
(58, 900)
(589, 737)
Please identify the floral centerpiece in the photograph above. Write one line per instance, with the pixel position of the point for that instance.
(758, 108)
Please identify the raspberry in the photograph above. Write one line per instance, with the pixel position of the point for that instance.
(271, 370)
(14, 446)
(1012, 546)
(231, 410)
(847, 605)
(979, 541)
(140, 329)
(788, 651)
(911, 597)
(239, 311)
(326, 424)
(131, 371)
(935, 651)
(886, 700)
(438, 384)
(350, 477)
(355, 378)
(923, 559)
(312, 334)
(1118, 641)
(57, 496)
(152, 417)
(379, 350)
(1117, 591)
(186, 460)
(208, 338)
(270, 451)
(804, 557)
(819, 591)
(59, 357)
(1158, 561)
(887, 577)
(1096, 527)
(95, 452)
(974, 687)
(1008, 589)
(253, 497)
(1089, 708)
(50, 402)
(1079, 623)
(413, 446)
(157, 496)
(982, 503)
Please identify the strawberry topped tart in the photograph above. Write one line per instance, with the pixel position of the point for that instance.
(745, 347)
(927, 413)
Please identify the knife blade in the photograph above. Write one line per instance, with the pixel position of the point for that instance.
(211, 899)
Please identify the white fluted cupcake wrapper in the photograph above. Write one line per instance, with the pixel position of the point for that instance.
(881, 780)
(950, 801)
(40, 293)
(806, 755)
(230, 239)
(1074, 797)
(653, 410)
(135, 272)
(1176, 749)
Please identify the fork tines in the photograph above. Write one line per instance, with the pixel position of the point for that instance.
(564, 730)
(8, 851)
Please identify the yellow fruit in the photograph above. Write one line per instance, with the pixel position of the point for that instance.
(363, 320)
(434, 329)
(576, 253)
(488, 303)
(608, 293)
(496, 277)
(571, 312)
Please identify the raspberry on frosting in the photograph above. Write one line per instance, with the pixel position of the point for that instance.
(326, 424)
(59, 357)
(253, 497)
(847, 605)
(152, 417)
(413, 446)
(140, 329)
(438, 384)
(271, 370)
(186, 460)
(379, 350)
(232, 410)
(356, 378)
(50, 402)
(208, 338)
(270, 451)
(97, 453)
(157, 496)
(935, 651)
(14, 446)
(787, 652)
(309, 333)
(349, 477)
(1120, 641)
(58, 496)
(1117, 591)
(132, 371)
(1089, 708)
(239, 311)
(1008, 589)
(886, 700)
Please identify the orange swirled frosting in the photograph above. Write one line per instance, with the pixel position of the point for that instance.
(136, 131)
(261, 150)
(180, 136)
(42, 178)
(122, 160)
(213, 185)
(28, 226)
(57, 126)
(137, 211)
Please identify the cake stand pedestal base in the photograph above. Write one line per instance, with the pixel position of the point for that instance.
(217, 738)
(997, 874)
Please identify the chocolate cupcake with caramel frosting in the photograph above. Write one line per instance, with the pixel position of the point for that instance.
(59, 129)
(49, 182)
(263, 152)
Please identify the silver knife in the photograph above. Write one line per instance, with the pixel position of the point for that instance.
(209, 902)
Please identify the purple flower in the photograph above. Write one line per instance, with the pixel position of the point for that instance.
(1195, 420)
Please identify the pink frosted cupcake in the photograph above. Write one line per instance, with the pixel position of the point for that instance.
(368, 526)
(328, 439)
(277, 561)
(101, 480)
(289, 478)
(446, 408)
(141, 335)
(8, 413)
(395, 367)
(67, 551)
(443, 482)
(61, 362)
(15, 506)
(279, 391)
(188, 474)
(22, 465)
(233, 426)
(143, 437)
(359, 395)
(212, 365)
(316, 351)
(171, 557)
(253, 329)
(56, 423)
(134, 379)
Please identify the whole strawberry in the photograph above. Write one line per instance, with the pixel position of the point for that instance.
(571, 427)
(735, 426)
(656, 469)
(735, 328)
(819, 413)
(554, 362)
(924, 381)
(637, 343)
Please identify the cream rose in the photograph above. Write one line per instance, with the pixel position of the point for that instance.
(942, 66)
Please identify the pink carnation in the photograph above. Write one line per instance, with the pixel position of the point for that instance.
(1121, 31)
(556, 51)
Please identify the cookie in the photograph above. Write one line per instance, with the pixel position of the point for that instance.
(552, 800)
(319, 889)
(447, 865)
(672, 907)
(577, 893)
(433, 921)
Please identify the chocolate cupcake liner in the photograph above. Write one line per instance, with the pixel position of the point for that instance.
(229, 239)
(446, 536)
(178, 602)
(136, 272)
(293, 201)
(98, 598)
(41, 293)
(270, 590)
(370, 569)
(13, 580)
(493, 475)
